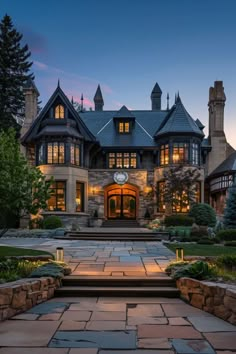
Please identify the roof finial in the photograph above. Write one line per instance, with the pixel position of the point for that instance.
(175, 98)
(82, 102)
(167, 98)
(72, 101)
(58, 83)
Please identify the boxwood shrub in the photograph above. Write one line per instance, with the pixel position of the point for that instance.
(203, 214)
(179, 220)
(227, 235)
(52, 222)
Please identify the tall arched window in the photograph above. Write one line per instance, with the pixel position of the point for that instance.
(59, 112)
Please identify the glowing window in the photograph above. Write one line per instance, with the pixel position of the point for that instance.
(59, 112)
(75, 154)
(57, 201)
(124, 127)
(164, 158)
(55, 153)
(122, 160)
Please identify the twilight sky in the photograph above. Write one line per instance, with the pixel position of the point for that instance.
(128, 45)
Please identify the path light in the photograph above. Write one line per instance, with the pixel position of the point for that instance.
(60, 254)
(179, 254)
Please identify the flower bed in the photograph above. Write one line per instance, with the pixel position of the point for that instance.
(216, 298)
(21, 295)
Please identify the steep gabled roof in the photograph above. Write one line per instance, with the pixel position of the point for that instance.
(124, 113)
(228, 165)
(34, 130)
(179, 121)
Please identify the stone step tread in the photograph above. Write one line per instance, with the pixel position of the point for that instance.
(98, 238)
(126, 278)
(117, 288)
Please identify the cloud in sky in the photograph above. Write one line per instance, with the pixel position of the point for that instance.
(72, 84)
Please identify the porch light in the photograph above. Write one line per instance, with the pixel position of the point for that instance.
(179, 252)
(60, 254)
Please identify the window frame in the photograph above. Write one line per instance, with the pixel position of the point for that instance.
(55, 160)
(176, 151)
(76, 160)
(59, 111)
(55, 188)
(126, 160)
(124, 127)
(82, 190)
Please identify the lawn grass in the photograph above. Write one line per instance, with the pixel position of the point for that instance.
(14, 251)
(202, 250)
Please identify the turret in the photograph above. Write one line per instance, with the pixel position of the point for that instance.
(98, 100)
(156, 98)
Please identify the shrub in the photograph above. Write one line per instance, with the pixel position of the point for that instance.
(36, 223)
(226, 260)
(196, 270)
(52, 222)
(206, 241)
(198, 234)
(227, 235)
(48, 270)
(230, 243)
(178, 220)
(230, 210)
(203, 214)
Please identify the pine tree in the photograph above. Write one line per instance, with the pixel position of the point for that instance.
(14, 72)
(230, 210)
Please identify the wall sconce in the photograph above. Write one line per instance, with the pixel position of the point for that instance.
(147, 189)
(179, 252)
(60, 254)
(93, 190)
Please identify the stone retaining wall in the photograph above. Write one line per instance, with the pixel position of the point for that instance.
(21, 295)
(216, 298)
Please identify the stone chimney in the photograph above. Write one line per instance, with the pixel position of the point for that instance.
(217, 137)
(31, 96)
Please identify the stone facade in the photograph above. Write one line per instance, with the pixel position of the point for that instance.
(216, 298)
(100, 179)
(21, 295)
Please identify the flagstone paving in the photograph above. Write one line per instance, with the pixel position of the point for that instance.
(110, 325)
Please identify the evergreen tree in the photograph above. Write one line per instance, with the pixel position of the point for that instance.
(23, 188)
(14, 72)
(230, 210)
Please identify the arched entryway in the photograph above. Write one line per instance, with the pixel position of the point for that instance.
(121, 202)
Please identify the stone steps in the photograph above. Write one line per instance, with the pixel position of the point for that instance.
(161, 286)
(115, 236)
(120, 223)
(74, 280)
(149, 291)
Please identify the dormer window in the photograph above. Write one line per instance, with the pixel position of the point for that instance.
(59, 112)
(124, 127)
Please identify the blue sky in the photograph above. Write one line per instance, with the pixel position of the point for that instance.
(128, 45)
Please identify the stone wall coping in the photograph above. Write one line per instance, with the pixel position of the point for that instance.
(64, 213)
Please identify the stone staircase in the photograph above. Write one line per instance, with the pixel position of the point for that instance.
(121, 223)
(115, 236)
(161, 286)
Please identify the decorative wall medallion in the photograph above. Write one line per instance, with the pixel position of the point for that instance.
(120, 177)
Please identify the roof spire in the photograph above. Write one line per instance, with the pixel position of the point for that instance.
(72, 101)
(175, 98)
(58, 83)
(82, 102)
(98, 99)
(156, 97)
(167, 98)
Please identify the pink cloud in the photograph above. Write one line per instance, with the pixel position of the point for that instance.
(40, 65)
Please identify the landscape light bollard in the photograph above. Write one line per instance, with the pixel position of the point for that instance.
(179, 252)
(60, 254)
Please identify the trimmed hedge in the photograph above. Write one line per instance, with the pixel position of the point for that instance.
(203, 214)
(227, 235)
(52, 222)
(230, 243)
(178, 220)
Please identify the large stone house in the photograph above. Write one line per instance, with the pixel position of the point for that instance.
(106, 163)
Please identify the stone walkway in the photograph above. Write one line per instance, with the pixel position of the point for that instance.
(104, 325)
